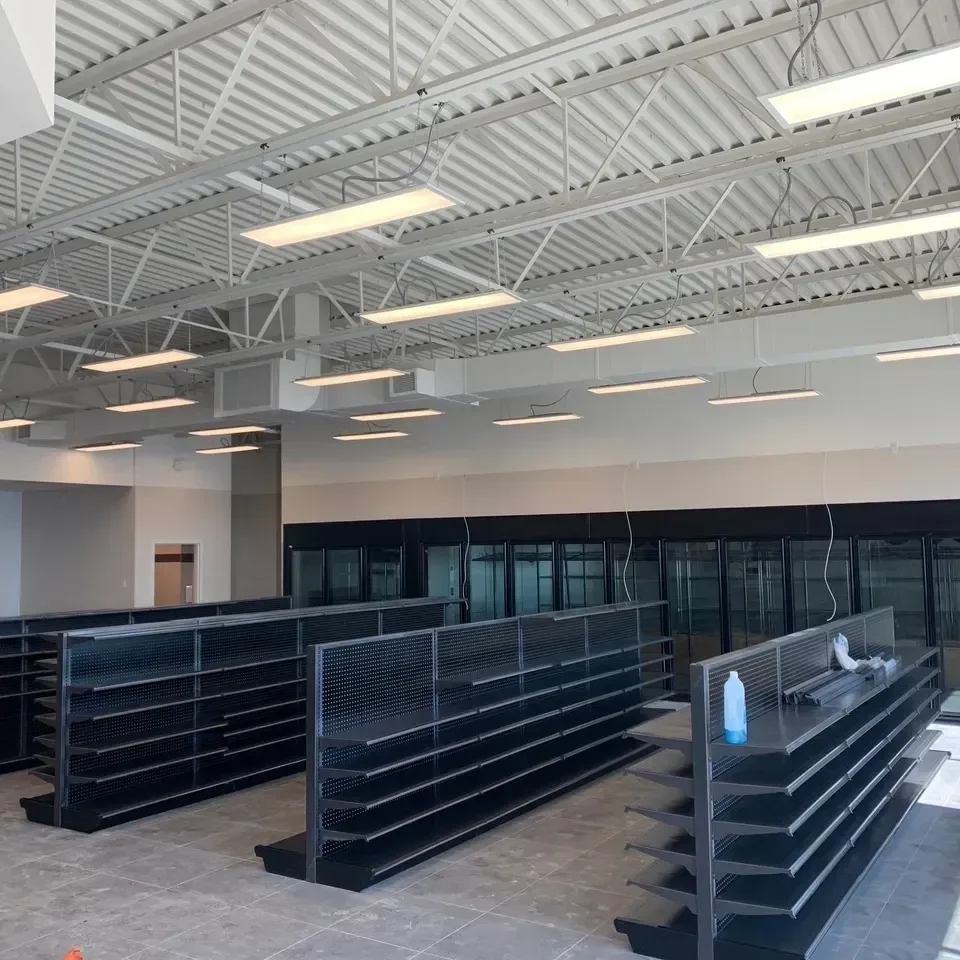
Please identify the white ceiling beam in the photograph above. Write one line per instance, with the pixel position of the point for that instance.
(660, 16)
(706, 220)
(696, 49)
(299, 17)
(628, 129)
(195, 31)
(235, 73)
(271, 279)
(392, 41)
(448, 24)
(915, 120)
(101, 239)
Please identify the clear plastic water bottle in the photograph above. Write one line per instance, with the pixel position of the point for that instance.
(734, 710)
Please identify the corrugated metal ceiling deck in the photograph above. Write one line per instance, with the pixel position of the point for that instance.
(317, 59)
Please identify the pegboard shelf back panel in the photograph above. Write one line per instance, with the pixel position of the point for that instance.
(28, 667)
(151, 716)
(424, 739)
(765, 841)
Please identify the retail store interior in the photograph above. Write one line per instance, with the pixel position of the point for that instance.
(417, 418)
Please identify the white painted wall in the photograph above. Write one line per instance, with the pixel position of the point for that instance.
(255, 526)
(182, 515)
(77, 549)
(163, 461)
(690, 454)
(10, 538)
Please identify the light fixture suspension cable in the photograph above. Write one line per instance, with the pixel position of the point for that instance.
(826, 562)
(466, 550)
(804, 41)
(403, 176)
(626, 511)
(538, 406)
(822, 200)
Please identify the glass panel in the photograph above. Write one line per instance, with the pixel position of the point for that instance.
(755, 584)
(812, 603)
(307, 578)
(532, 577)
(445, 575)
(583, 575)
(946, 565)
(487, 580)
(693, 599)
(343, 576)
(642, 576)
(891, 575)
(383, 573)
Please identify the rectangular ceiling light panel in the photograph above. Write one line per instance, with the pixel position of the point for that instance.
(537, 418)
(921, 353)
(431, 309)
(661, 384)
(857, 235)
(620, 339)
(142, 406)
(354, 376)
(226, 431)
(28, 295)
(349, 217)
(240, 448)
(373, 435)
(15, 422)
(108, 447)
(762, 397)
(397, 415)
(942, 292)
(892, 80)
(141, 361)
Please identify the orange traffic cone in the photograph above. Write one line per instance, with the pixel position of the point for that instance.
(74, 953)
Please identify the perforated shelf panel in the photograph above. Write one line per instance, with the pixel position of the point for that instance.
(424, 737)
(783, 826)
(154, 715)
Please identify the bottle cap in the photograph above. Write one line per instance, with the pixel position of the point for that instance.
(733, 673)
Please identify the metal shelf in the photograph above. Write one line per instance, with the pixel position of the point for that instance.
(799, 935)
(786, 729)
(678, 775)
(782, 826)
(121, 743)
(788, 855)
(787, 814)
(357, 865)
(136, 679)
(118, 772)
(83, 716)
(509, 671)
(670, 731)
(299, 719)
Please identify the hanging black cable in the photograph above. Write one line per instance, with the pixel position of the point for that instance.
(804, 41)
(822, 200)
(538, 406)
(783, 199)
(402, 176)
(660, 316)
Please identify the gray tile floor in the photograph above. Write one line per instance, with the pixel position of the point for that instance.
(544, 887)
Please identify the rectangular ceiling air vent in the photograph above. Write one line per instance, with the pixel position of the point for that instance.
(246, 389)
(404, 386)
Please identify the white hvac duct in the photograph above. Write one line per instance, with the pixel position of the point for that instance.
(27, 57)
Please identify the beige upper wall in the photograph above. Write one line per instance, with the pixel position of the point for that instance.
(914, 473)
(77, 549)
(677, 451)
(255, 525)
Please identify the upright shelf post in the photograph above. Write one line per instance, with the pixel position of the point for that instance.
(703, 810)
